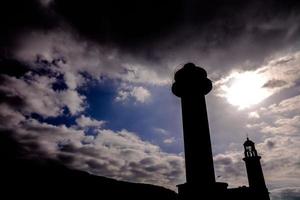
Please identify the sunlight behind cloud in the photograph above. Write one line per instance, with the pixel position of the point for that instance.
(245, 89)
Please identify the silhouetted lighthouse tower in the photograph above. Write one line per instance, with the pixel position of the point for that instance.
(191, 85)
(254, 171)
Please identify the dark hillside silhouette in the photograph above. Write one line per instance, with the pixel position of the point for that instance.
(23, 178)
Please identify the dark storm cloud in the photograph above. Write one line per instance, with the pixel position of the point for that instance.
(13, 67)
(270, 144)
(123, 22)
(133, 24)
(216, 34)
(17, 17)
(275, 83)
(14, 101)
(289, 193)
(156, 37)
(229, 166)
(150, 37)
(223, 161)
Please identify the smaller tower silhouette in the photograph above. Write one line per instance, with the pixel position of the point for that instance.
(254, 171)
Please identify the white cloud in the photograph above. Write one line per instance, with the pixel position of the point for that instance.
(284, 125)
(280, 129)
(256, 125)
(117, 154)
(170, 140)
(138, 93)
(38, 95)
(84, 121)
(254, 115)
(280, 118)
(230, 168)
(73, 100)
(9, 117)
(144, 74)
(141, 94)
(160, 131)
(72, 80)
(281, 160)
(288, 105)
(73, 55)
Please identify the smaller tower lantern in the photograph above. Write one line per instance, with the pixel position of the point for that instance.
(250, 150)
(254, 170)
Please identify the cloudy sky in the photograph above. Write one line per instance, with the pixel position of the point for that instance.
(89, 84)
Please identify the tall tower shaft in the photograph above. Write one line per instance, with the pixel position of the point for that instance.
(191, 85)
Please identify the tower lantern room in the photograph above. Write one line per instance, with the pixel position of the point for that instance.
(250, 150)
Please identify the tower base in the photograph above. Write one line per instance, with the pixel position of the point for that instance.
(219, 190)
(194, 191)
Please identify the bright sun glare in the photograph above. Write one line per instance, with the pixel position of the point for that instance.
(246, 89)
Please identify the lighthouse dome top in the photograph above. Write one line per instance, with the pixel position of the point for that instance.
(190, 80)
(190, 71)
(248, 142)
